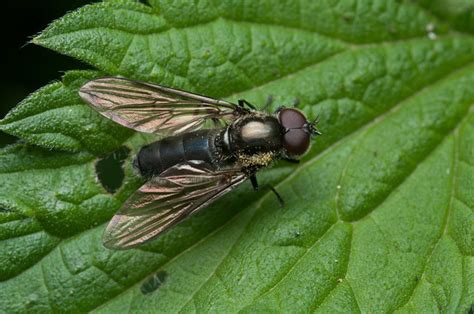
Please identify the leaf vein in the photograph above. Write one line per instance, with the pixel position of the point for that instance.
(444, 226)
(315, 304)
(271, 287)
(209, 235)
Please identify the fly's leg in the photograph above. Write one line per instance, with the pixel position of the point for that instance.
(268, 103)
(242, 103)
(253, 180)
(293, 161)
(279, 198)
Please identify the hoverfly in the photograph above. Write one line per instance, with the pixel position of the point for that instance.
(195, 164)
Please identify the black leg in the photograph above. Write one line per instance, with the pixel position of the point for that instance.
(293, 161)
(242, 103)
(253, 179)
(268, 103)
(280, 200)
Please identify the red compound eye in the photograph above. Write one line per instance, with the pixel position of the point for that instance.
(292, 119)
(296, 142)
(296, 139)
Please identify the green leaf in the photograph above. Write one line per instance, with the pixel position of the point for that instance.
(56, 118)
(458, 13)
(378, 216)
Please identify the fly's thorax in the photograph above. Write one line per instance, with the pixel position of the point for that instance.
(254, 134)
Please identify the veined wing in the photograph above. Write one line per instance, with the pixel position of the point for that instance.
(166, 200)
(153, 108)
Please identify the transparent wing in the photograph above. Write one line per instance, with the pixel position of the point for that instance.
(166, 200)
(153, 108)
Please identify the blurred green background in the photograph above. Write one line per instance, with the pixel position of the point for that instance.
(27, 67)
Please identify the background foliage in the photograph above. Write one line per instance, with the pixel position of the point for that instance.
(379, 214)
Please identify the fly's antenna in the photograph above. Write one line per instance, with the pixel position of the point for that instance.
(311, 127)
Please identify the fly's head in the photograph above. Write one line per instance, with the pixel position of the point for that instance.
(297, 131)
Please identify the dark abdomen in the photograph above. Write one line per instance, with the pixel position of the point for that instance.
(161, 155)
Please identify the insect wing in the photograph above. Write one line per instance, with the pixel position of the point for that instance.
(166, 200)
(153, 108)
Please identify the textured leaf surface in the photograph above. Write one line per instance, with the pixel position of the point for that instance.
(379, 214)
(55, 117)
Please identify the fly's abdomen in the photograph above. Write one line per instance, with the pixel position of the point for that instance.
(161, 155)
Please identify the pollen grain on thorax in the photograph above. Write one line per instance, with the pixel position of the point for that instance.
(262, 159)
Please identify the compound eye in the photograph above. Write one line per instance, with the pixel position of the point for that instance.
(296, 141)
(291, 119)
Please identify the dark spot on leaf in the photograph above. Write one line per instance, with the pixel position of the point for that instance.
(109, 169)
(153, 282)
